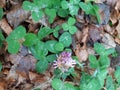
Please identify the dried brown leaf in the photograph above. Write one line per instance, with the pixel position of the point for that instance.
(37, 78)
(26, 63)
(111, 71)
(5, 26)
(117, 6)
(90, 51)
(78, 36)
(84, 36)
(3, 85)
(111, 2)
(115, 15)
(117, 40)
(83, 54)
(118, 28)
(17, 16)
(94, 33)
(108, 41)
(2, 3)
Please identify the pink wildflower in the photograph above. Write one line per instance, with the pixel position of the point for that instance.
(64, 61)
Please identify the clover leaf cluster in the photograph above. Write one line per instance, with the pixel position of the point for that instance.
(100, 63)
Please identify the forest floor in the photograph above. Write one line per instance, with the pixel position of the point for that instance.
(18, 70)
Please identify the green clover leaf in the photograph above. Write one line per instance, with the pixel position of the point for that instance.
(59, 46)
(64, 4)
(30, 39)
(51, 14)
(66, 39)
(70, 26)
(43, 32)
(50, 45)
(42, 65)
(93, 61)
(39, 50)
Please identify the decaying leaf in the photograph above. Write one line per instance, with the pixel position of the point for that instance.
(12, 75)
(37, 78)
(5, 26)
(83, 54)
(3, 84)
(118, 28)
(108, 41)
(117, 40)
(26, 63)
(94, 33)
(20, 69)
(111, 2)
(84, 36)
(2, 3)
(117, 6)
(115, 14)
(109, 29)
(81, 51)
(78, 36)
(17, 16)
(111, 71)
(90, 51)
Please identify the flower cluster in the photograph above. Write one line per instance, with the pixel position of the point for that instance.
(64, 61)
